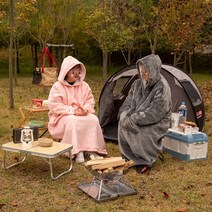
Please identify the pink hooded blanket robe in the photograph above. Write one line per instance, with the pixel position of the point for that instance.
(83, 132)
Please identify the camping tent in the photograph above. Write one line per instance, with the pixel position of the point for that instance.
(115, 90)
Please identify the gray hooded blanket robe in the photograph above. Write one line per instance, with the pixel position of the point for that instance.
(145, 115)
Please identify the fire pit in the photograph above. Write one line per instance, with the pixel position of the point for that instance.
(109, 179)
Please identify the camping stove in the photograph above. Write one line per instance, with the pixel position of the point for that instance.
(107, 186)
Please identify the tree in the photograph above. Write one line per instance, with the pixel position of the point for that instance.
(69, 29)
(206, 36)
(127, 16)
(12, 28)
(103, 25)
(149, 17)
(42, 24)
(182, 27)
(23, 12)
(11, 99)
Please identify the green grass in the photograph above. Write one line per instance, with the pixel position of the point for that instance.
(172, 185)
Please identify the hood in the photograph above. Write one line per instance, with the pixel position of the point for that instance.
(67, 64)
(153, 65)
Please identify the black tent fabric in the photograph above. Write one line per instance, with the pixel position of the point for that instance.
(115, 90)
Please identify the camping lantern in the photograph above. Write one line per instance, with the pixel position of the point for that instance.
(27, 136)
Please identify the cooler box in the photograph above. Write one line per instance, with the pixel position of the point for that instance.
(184, 146)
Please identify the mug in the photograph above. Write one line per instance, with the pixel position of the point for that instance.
(175, 120)
(37, 103)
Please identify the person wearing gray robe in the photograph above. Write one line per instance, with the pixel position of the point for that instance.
(145, 115)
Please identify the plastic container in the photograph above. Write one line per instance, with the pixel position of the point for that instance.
(175, 120)
(37, 103)
(182, 110)
(186, 146)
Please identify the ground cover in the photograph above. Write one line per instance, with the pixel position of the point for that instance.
(172, 185)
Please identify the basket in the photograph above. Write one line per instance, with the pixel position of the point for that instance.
(45, 142)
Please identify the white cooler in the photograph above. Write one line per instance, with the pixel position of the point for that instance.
(186, 146)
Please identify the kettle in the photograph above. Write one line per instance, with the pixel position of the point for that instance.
(27, 136)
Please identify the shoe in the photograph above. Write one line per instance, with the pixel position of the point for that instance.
(141, 169)
(93, 155)
(80, 158)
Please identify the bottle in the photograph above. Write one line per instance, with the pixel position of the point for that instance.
(182, 110)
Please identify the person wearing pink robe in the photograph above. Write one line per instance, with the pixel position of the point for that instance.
(71, 112)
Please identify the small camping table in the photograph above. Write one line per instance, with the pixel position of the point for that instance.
(47, 153)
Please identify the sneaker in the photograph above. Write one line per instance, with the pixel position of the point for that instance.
(93, 155)
(141, 169)
(80, 158)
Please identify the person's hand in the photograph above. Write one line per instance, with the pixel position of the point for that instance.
(81, 112)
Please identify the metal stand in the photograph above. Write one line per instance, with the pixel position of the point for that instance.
(108, 187)
(64, 172)
(14, 164)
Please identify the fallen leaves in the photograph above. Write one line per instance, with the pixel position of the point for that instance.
(5, 203)
(14, 204)
(208, 184)
(2, 205)
(165, 195)
(181, 209)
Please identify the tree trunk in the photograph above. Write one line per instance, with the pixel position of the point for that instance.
(175, 59)
(109, 60)
(61, 55)
(15, 70)
(154, 43)
(33, 55)
(36, 55)
(11, 100)
(17, 56)
(15, 63)
(105, 65)
(185, 62)
(190, 65)
(128, 56)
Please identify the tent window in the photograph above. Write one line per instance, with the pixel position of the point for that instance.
(120, 83)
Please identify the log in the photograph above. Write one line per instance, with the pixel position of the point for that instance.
(102, 161)
(108, 165)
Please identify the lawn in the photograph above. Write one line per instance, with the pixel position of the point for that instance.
(172, 185)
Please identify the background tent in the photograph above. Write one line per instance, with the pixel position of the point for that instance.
(116, 89)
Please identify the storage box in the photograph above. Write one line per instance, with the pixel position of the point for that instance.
(184, 146)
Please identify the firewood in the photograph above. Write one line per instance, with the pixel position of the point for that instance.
(108, 165)
(110, 169)
(105, 171)
(102, 161)
(119, 168)
(92, 157)
(99, 171)
(129, 164)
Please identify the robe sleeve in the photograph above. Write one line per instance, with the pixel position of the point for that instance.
(56, 103)
(126, 106)
(157, 109)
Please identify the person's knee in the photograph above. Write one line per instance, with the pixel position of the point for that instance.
(71, 122)
(94, 119)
